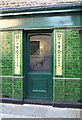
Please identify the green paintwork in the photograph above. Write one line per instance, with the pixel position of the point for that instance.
(39, 22)
(37, 85)
(43, 9)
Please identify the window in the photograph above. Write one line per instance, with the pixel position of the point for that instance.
(40, 47)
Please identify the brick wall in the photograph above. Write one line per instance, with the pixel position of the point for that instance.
(20, 3)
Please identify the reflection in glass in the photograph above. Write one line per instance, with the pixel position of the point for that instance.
(40, 53)
(34, 47)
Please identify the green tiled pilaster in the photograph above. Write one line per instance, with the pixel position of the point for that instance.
(7, 53)
(11, 88)
(59, 90)
(73, 53)
(67, 90)
(72, 91)
(17, 89)
(7, 87)
(69, 87)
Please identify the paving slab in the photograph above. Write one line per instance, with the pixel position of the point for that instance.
(0, 108)
(24, 110)
(15, 116)
(60, 113)
(40, 112)
(78, 113)
(1, 115)
(81, 114)
(7, 108)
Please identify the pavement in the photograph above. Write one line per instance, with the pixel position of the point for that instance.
(36, 111)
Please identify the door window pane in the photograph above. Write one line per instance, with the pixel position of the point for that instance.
(40, 46)
(34, 47)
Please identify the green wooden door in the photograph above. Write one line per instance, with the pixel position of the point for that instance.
(38, 75)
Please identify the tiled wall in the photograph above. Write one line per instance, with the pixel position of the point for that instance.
(12, 86)
(73, 53)
(67, 90)
(6, 53)
(67, 87)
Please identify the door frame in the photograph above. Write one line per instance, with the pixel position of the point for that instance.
(26, 56)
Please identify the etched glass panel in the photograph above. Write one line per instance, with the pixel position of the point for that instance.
(40, 46)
